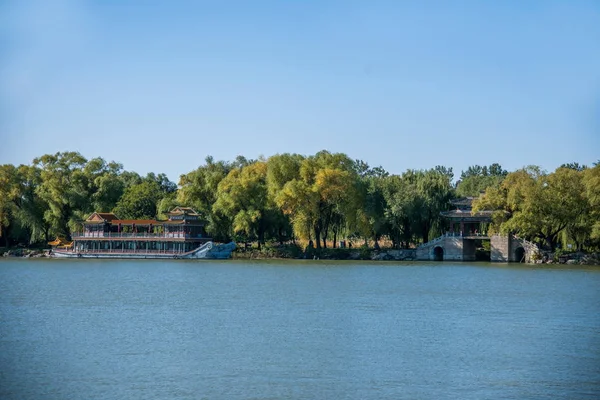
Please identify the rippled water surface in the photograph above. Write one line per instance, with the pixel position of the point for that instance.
(87, 329)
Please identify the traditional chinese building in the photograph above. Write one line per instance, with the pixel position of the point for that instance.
(182, 232)
(463, 222)
(466, 232)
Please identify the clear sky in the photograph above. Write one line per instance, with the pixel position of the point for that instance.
(159, 85)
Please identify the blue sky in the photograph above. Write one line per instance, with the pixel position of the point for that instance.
(159, 85)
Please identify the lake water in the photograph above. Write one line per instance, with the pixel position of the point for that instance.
(87, 329)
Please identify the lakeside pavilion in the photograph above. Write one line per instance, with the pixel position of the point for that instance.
(463, 222)
(181, 232)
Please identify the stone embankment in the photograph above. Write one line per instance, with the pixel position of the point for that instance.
(26, 253)
(578, 258)
(293, 252)
(394, 255)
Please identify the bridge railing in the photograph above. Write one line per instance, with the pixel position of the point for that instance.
(453, 234)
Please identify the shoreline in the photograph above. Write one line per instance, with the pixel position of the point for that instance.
(290, 252)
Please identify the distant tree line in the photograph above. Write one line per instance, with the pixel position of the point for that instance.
(321, 199)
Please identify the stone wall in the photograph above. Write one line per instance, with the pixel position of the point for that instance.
(500, 247)
(422, 253)
(456, 248)
(453, 248)
(469, 250)
(395, 255)
(506, 249)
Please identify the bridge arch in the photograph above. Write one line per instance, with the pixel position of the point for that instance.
(519, 254)
(438, 253)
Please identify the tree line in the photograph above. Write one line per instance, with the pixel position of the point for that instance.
(320, 199)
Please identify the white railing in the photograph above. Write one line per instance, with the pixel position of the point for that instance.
(452, 234)
(135, 235)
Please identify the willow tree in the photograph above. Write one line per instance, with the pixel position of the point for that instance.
(64, 188)
(434, 189)
(371, 203)
(536, 205)
(591, 181)
(322, 197)
(402, 207)
(242, 198)
(10, 193)
(30, 208)
(198, 189)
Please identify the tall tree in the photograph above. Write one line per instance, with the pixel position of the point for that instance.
(591, 182)
(536, 205)
(242, 198)
(64, 187)
(321, 197)
(477, 179)
(139, 201)
(371, 203)
(198, 189)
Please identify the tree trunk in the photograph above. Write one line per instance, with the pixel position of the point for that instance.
(550, 242)
(334, 239)
(318, 237)
(261, 233)
(426, 229)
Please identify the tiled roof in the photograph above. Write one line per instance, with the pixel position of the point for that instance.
(101, 217)
(464, 201)
(144, 222)
(147, 222)
(467, 214)
(183, 210)
(135, 221)
(108, 216)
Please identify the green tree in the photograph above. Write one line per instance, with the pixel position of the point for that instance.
(574, 165)
(477, 179)
(139, 201)
(536, 205)
(164, 184)
(434, 188)
(64, 187)
(9, 194)
(414, 202)
(371, 203)
(30, 208)
(402, 204)
(198, 189)
(242, 198)
(591, 182)
(104, 184)
(166, 204)
(323, 196)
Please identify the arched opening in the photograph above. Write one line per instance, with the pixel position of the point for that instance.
(483, 250)
(520, 254)
(438, 254)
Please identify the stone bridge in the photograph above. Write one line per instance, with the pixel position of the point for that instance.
(453, 247)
